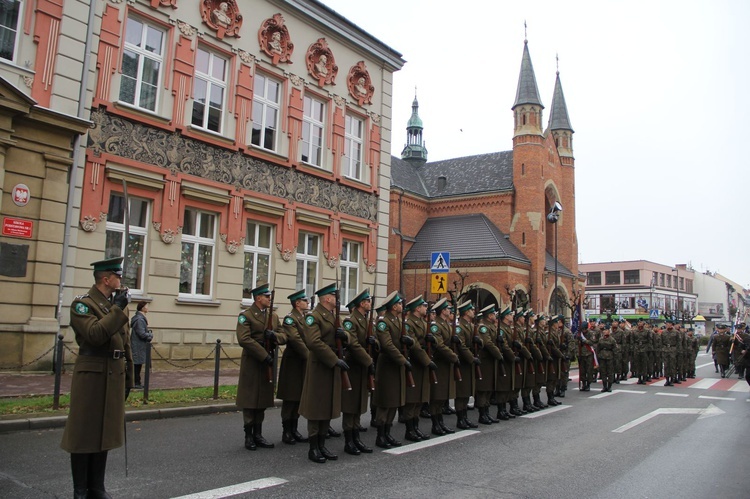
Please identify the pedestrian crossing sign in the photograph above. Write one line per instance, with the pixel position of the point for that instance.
(440, 262)
(654, 314)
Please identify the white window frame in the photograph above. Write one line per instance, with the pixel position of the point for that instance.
(143, 54)
(304, 258)
(354, 146)
(350, 267)
(135, 231)
(253, 248)
(261, 106)
(211, 83)
(199, 242)
(310, 125)
(17, 31)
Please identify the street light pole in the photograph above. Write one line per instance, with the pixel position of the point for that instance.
(553, 217)
(677, 285)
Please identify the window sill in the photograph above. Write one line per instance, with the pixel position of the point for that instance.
(139, 110)
(210, 134)
(203, 302)
(267, 153)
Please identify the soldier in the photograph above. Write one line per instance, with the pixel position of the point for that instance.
(489, 356)
(422, 364)
(744, 347)
(617, 334)
(658, 367)
(525, 379)
(737, 351)
(694, 347)
(361, 367)
(390, 372)
(641, 342)
(605, 352)
(441, 332)
(539, 334)
(554, 364)
(321, 392)
(293, 367)
(627, 350)
(504, 384)
(585, 358)
(720, 345)
(102, 378)
(680, 354)
(669, 340)
(258, 336)
(466, 341)
(568, 355)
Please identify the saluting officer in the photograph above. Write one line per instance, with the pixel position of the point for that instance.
(321, 392)
(354, 401)
(102, 378)
(442, 331)
(255, 388)
(293, 367)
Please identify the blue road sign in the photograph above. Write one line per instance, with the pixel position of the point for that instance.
(440, 262)
(654, 314)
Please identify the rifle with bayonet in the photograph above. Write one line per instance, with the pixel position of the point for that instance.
(454, 346)
(368, 335)
(475, 341)
(270, 347)
(405, 352)
(430, 354)
(346, 384)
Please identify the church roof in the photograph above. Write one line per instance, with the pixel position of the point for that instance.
(562, 270)
(527, 92)
(492, 172)
(558, 118)
(487, 241)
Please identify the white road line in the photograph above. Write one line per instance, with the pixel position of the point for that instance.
(715, 398)
(546, 411)
(708, 412)
(234, 490)
(629, 381)
(704, 384)
(397, 451)
(740, 386)
(661, 382)
(704, 365)
(602, 395)
(673, 394)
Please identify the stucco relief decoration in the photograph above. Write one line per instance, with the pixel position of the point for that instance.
(286, 254)
(359, 84)
(321, 64)
(164, 3)
(332, 260)
(186, 29)
(246, 57)
(370, 266)
(171, 151)
(232, 245)
(296, 80)
(274, 40)
(88, 224)
(222, 16)
(28, 81)
(375, 118)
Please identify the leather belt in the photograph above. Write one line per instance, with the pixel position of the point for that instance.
(92, 352)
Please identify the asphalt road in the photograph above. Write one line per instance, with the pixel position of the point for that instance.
(684, 446)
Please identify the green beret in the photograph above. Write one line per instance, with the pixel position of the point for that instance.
(362, 296)
(111, 264)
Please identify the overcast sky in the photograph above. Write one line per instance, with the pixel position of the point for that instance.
(658, 93)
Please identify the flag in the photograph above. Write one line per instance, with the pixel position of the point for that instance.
(575, 321)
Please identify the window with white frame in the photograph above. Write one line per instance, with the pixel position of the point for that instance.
(209, 88)
(266, 110)
(135, 265)
(313, 126)
(197, 256)
(308, 258)
(257, 257)
(141, 64)
(353, 147)
(350, 255)
(10, 19)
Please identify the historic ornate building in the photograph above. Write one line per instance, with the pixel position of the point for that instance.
(240, 142)
(490, 211)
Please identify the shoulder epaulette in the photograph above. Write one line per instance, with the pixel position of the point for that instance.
(81, 297)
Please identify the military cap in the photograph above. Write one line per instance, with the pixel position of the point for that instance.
(440, 305)
(114, 265)
(721, 326)
(541, 317)
(465, 306)
(261, 290)
(414, 303)
(553, 319)
(489, 309)
(669, 321)
(362, 296)
(528, 313)
(505, 311)
(327, 290)
(518, 313)
(389, 301)
(298, 295)
(623, 320)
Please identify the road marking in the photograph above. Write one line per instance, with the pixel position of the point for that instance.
(661, 382)
(741, 386)
(673, 394)
(715, 398)
(606, 394)
(234, 490)
(704, 365)
(704, 384)
(546, 411)
(708, 412)
(396, 451)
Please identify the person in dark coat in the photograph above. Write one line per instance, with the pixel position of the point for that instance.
(140, 338)
(416, 330)
(258, 337)
(441, 332)
(293, 367)
(721, 344)
(102, 378)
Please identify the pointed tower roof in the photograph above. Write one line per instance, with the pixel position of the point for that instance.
(414, 150)
(527, 92)
(415, 121)
(558, 118)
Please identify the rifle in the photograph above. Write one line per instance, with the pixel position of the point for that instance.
(346, 384)
(456, 368)
(433, 374)
(368, 334)
(498, 342)
(551, 362)
(477, 368)
(405, 351)
(516, 350)
(269, 346)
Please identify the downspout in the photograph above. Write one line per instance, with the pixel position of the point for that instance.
(401, 250)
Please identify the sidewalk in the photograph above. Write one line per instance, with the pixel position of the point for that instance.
(23, 384)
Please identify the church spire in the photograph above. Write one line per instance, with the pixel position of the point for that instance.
(559, 124)
(527, 109)
(414, 150)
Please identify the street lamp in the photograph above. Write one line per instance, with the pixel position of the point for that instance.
(553, 217)
(677, 285)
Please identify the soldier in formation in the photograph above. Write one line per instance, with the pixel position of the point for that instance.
(293, 367)
(415, 340)
(721, 344)
(441, 333)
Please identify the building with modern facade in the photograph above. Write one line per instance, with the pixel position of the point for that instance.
(489, 212)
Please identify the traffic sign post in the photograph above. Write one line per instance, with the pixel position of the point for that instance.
(440, 262)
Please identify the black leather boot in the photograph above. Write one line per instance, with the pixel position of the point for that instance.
(489, 416)
(79, 466)
(446, 429)
(296, 434)
(669, 381)
(527, 405)
(358, 442)
(538, 402)
(258, 437)
(551, 399)
(96, 471)
(349, 446)
(389, 437)
(469, 422)
(461, 422)
(380, 440)
(249, 440)
(314, 454)
(326, 453)
(436, 429)
(447, 409)
(514, 409)
(502, 414)
(419, 433)
(483, 416)
(410, 435)
(333, 433)
(286, 433)
(425, 411)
